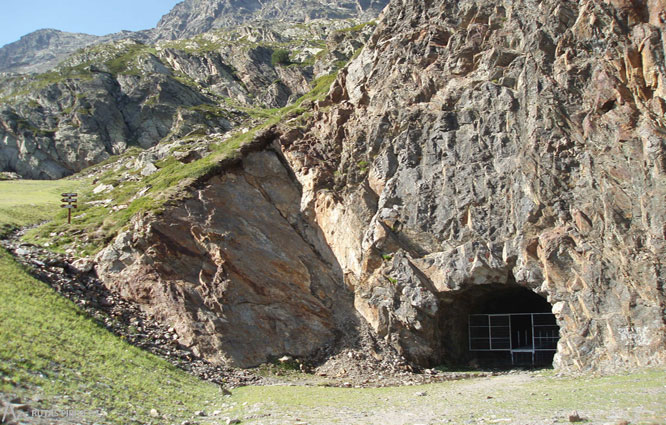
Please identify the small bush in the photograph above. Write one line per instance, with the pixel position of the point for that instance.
(280, 57)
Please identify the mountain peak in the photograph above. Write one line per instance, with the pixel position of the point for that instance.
(43, 49)
(192, 17)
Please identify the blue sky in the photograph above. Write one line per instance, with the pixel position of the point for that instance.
(99, 17)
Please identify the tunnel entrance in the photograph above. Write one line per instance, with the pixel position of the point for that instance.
(498, 325)
(515, 339)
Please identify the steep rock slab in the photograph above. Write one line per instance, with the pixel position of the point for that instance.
(236, 269)
(518, 143)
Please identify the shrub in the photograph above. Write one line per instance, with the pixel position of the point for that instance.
(280, 57)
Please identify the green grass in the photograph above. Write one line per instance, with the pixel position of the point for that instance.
(48, 345)
(99, 223)
(201, 44)
(359, 27)
(280, 57)
(125, 61)
(30, 201)
(79, 72)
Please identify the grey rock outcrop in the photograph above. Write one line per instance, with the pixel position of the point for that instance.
(53, 125)
(192, 17)
(496, 145)
(42, 50)
(472, 147)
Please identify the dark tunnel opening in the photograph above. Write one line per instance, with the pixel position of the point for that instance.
(497, 326)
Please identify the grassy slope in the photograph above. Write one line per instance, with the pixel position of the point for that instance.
(49, 346)
(95, 225)
(48, 343)
(31, 201)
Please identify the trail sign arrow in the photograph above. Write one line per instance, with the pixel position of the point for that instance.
(70, 200)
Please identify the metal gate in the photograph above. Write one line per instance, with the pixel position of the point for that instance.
(529, 338)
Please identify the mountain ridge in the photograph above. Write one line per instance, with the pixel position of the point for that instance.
(192, 17)
(109, 97)
(42, 50)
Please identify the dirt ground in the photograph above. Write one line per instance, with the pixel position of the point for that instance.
(518, 397)
(526, 398)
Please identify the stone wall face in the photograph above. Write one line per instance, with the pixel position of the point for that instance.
(471, 143)
(476, 143)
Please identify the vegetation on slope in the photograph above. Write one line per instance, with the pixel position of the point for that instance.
(101, 216)
(48, 347)
(29, 201)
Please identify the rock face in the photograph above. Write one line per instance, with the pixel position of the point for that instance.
(473, 148)
(236, 269)
(53, 125)
(192, 17)
(511, 144)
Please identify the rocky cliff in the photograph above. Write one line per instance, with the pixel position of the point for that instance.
(238, 272)
(472, 149)
(109, 97)
(519, 143)
(55, 124)
(192, 17)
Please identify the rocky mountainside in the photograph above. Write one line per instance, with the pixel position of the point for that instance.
(473, 150)
(192, 17)
(112, 96)
(42, 50)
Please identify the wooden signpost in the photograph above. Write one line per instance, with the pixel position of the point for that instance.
(69, 202)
